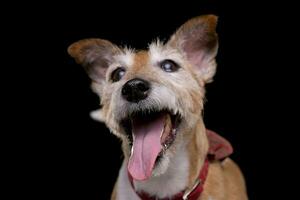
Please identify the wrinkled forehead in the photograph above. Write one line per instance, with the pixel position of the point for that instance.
(155, 53)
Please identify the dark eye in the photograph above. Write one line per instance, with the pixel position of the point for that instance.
(117, 74)
(169, 66)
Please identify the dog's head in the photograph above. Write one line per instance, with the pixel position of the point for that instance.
(152, 99)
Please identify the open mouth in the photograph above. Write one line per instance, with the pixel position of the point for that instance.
(151, 133)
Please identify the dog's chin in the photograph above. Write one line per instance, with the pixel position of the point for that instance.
(151, 135)
(162, 163)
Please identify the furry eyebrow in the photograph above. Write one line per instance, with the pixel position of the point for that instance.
(126, 57)
(159, 52)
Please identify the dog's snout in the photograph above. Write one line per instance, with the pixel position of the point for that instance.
(135, 90)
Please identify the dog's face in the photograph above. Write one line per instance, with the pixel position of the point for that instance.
(152, 99)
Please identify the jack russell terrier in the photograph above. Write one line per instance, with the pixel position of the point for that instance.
(153, 101)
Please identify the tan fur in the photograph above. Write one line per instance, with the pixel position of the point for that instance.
(224, 182)
(197, 147)
(114, 193)
(193, 47)
(141, 60)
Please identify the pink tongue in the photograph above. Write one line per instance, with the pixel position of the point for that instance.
(146, 147)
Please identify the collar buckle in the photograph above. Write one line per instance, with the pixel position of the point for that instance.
(188, 192)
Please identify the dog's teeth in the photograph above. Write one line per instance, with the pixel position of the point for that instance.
(175, 112)
(165, 146)
(131, 152)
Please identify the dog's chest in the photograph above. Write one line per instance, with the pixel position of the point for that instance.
(168, 184)
(124, 189)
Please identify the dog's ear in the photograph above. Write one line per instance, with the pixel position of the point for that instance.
(95, 55)
(198, 41)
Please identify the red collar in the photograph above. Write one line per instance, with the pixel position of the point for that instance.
(219, 148)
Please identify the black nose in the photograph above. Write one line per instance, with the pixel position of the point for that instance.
(135, 90)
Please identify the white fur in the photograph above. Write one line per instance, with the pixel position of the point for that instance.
(172, 181)
(97, 115)
(126, 58)
(163, 165)
(165, 98)
(124, 188)
(159, 52)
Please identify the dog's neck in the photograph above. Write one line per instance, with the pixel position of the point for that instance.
(183, 168)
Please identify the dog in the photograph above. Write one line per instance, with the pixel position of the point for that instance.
(153, 101)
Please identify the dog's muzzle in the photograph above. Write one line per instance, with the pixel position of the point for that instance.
(150, 124)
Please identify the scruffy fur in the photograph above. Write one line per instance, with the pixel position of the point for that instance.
(193, 47)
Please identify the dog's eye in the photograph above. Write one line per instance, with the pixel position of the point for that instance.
(169, 66)
(117, 74)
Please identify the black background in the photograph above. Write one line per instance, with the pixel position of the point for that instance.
(68, 155)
